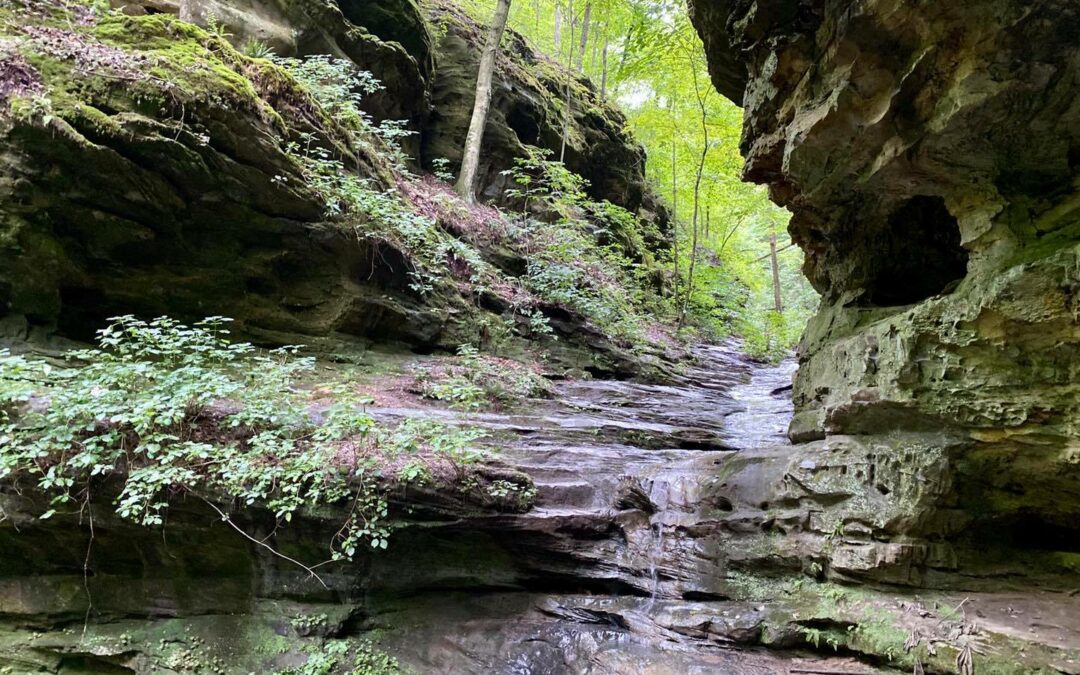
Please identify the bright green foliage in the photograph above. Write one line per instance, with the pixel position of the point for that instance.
(655, 72)
(256, 49)
(354, 657)
(474, 381)
(370, 660)
(504, 489)
(566, 266)
(557, 232)
(338, 86)
(376, 213)
(456, 443)
(170, 408)
(305, 623)
(382, 215)
(539, 178)
(769, 334)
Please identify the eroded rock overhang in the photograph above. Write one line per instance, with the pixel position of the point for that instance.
(930, 155)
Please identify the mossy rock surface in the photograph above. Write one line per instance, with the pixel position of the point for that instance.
(158, 182)
(528, 109)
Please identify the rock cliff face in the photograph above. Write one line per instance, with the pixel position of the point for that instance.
(528, 109)
(390, 39)
(154, 180)
(145, 166)
(930, 156)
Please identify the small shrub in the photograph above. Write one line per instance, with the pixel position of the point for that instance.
(441, 169)
(339, 87)
(356, 657)
(307, 623)
(568, 265)
(521, 495)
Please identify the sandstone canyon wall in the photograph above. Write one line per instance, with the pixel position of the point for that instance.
(930, 155)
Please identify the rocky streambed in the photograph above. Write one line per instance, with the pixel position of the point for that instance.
(675, 530)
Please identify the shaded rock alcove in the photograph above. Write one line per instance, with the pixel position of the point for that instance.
(917, 256)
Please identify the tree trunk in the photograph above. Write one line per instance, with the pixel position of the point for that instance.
(674, 211)
(583, 45)
(569, 91)
(697, 203)
(625, 48)
(558, 30)
(697, 188)
(603, 65)
(777, 300)
(595, 46)
(693, 264)
(466, 185)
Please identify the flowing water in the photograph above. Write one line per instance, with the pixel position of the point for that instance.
(654, 564)
(617, 564)
(766, 401)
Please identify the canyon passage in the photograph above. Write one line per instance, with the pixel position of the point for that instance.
(545, 336)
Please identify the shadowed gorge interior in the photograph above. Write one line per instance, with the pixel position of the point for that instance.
(375, 337)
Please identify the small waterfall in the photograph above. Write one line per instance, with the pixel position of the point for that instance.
(656, 555)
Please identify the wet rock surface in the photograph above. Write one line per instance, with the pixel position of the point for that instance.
(673, 531)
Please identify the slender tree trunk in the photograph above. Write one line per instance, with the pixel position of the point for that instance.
(693, 264)
(558, 30)
(777, 299)
(697, 209)
(697, 188)
(727, 237)
(536, 12)
(625, 52)
(569, 91)
(583, 45)
(595, 45)
(466, 185)
(674, 209)
(603, 65)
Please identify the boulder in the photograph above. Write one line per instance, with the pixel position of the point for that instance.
(389, 38)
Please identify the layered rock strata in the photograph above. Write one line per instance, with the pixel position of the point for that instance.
(928, 153)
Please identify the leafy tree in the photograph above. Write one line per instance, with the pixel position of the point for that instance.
(650, 63)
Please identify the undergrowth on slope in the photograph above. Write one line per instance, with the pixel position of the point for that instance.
(475, 381)
(376, 212)
(557, 231)
(168, 409)
(356, 657)
(339, 87)
(567, 267)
